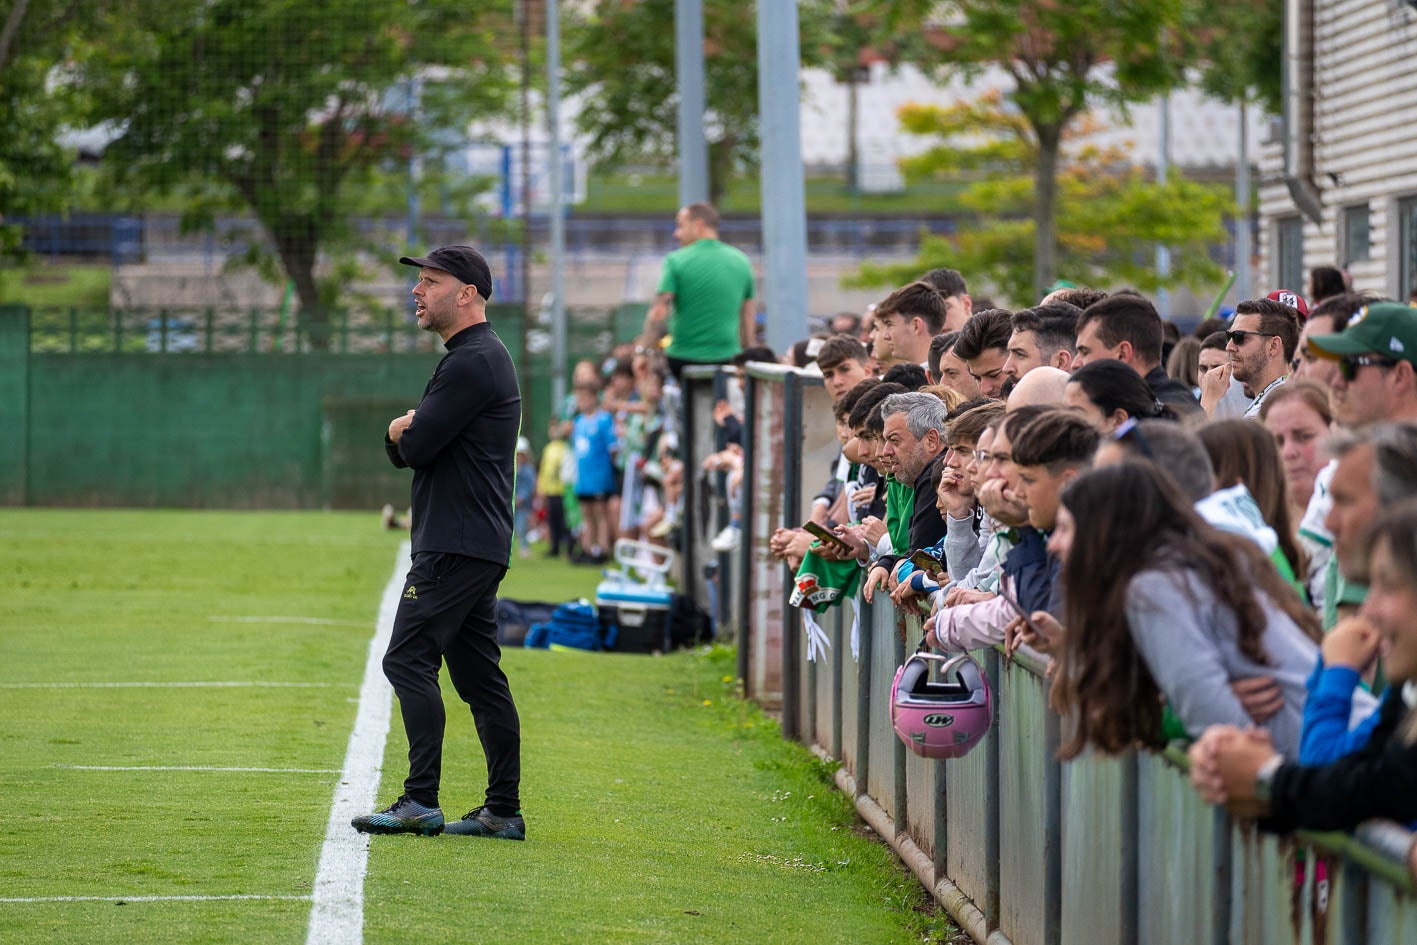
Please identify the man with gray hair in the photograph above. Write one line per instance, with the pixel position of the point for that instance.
(914, 438)
(1376, 468)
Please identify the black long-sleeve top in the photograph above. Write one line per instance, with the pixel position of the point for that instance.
(1378, 780)
(461, 446)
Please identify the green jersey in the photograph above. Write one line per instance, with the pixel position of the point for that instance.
(710, 281)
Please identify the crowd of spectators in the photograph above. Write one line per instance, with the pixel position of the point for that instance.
(1185, 525)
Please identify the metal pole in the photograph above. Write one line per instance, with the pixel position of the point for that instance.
(784, 212)
(1242, 217)
(689, 71)
(558, 204)
(1163, 160)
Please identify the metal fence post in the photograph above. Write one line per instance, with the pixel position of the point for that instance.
(863, 698)
(791, 511)
(991, 810)
(745, 560)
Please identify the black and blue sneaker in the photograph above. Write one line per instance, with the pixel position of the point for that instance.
(483, 823)
(404, 815)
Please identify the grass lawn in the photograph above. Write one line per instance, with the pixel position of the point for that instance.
(660, 807)
(82, 285)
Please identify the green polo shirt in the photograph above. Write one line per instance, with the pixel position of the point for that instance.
(710, 281)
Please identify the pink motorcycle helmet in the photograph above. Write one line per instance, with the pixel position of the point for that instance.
(944, 717)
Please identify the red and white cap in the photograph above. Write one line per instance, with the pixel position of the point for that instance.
(1292, 299)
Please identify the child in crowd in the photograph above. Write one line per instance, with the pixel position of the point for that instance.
(525, 495)
(594, 445)
(551, 487)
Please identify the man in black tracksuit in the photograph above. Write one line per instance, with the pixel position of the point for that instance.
(461, 444)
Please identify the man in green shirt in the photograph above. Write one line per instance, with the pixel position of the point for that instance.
(708, 286)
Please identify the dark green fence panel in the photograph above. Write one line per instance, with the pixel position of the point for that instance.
(233, 431)
(14, 402)
(236, 409)
(356, 476)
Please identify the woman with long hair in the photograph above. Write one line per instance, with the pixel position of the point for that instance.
(1160, 604)
(1109, 393)
(1243, 452)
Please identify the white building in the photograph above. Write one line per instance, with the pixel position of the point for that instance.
(1338, 175)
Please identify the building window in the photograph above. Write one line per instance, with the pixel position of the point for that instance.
(1289, 253)
(1355, 233)
(1407, 245)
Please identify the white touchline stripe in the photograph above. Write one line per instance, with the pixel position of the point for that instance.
(149, 898)
(195, 768)
(317, 621)
(337, 912)
(165, 685)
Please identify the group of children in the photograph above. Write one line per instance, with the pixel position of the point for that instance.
(610, 468)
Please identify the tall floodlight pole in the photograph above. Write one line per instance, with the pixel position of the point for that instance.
(784, 213)
(1242, 202)
(556, 169)
(689, 71)
(1163, 161)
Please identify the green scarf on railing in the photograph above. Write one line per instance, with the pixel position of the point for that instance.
(822, 584)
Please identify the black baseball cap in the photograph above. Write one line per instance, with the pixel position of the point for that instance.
(464, 262)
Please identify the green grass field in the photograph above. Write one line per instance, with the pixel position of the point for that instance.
(84, 285)
(660, 808)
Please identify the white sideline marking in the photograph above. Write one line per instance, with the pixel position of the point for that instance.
(317, 621)
(165, 685)
(148, 898)
(195, 768)
(337, 912)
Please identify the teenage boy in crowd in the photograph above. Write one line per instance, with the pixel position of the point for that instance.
(905, 322)
(958, 305)
(984, 346)
(947, 369)
(842, 360)
(1043, 336)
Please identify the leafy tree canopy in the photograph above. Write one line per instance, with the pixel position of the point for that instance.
(281, 108)
(1110, 215)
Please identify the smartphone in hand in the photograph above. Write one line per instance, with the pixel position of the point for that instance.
(825, 534)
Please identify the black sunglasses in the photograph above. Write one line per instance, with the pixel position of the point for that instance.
(1348, 365)
(1237, 337)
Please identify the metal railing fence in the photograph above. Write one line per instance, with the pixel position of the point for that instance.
(1018, 847)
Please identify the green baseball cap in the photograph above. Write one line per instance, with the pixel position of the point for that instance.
(1385, 328)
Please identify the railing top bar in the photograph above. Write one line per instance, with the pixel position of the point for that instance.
(772, 371)
(1379, 846)
(769, 370)
(1027, 658)
(701, 372)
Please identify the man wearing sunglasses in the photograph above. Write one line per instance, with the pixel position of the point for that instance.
(1377, 365)
(1260, 344)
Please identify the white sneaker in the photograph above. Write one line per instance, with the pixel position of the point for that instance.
(728, 539)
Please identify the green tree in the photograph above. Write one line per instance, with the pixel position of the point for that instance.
(36, 171)
(1240, 44)
(1109, 214)
(1064, 60)
(285, 109)
(620, 62)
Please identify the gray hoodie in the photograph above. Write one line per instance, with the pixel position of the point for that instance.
(1188, 640)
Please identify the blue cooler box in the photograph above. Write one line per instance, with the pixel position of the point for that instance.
(640, 612)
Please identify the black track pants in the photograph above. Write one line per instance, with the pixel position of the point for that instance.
(448, 613)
